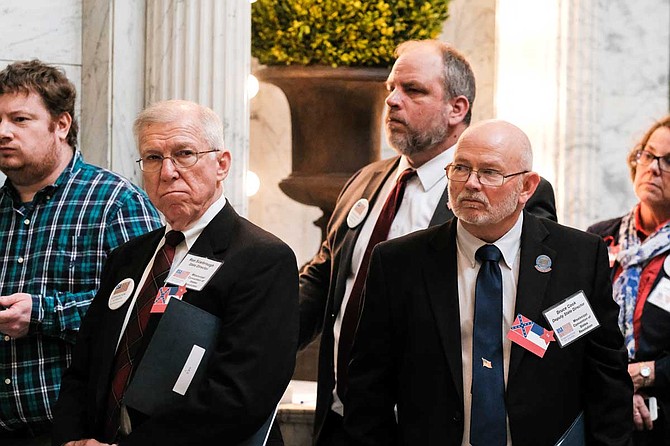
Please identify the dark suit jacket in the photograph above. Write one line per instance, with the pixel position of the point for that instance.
(408, 345)
(323, 279)
(653, 343)
(254, 293)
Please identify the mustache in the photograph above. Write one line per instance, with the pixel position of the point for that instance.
(395, 118)
(472, 196)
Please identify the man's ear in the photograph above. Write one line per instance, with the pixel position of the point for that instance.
(62, 125)
(530, 182)
(224, 165)
(459, 107)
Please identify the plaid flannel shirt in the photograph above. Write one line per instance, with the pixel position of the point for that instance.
(54, 248)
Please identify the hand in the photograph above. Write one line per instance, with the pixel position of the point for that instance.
(638, 380)
(87, 442)
(15, 318)
(641, 415)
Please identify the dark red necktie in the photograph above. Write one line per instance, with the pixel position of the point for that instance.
(132, 337)
(353, 309)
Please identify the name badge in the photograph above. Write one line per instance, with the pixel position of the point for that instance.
(660, 295)
(571, 318)
(194, 272)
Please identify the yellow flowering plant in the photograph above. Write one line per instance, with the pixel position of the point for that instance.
(340, 32)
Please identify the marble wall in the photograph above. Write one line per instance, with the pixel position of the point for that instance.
(632, 60)
(584, 80)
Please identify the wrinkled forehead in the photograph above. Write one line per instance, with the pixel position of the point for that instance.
(169, 135)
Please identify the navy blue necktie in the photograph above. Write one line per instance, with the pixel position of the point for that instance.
(488, 421)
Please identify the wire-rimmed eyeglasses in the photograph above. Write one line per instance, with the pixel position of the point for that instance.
(486, 177)
(182, 159)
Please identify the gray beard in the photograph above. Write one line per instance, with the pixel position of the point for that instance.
(413, 142)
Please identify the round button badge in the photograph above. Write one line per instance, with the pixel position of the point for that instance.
(358, 213)
(121, 293)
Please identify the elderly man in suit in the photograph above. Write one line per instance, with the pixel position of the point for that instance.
(252, 289)
(431, 91)
(453, 329)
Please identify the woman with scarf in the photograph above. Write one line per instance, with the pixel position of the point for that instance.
(639, 244)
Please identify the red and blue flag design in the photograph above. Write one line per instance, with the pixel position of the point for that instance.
(530, 335)
(163, 297)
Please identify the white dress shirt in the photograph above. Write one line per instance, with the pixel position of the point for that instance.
(468, 268)
(420, 199)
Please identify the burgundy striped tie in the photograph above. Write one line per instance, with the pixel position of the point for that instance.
(132, 337)
(352, 311)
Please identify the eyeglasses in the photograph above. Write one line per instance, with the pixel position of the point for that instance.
(486, 177)
(182, 159)
(646, 158)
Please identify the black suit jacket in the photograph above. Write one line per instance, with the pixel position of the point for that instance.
(323, 279)
(254, 293)
(408, 345)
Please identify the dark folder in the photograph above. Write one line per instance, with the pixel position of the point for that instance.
(575, 435)
(182, 330)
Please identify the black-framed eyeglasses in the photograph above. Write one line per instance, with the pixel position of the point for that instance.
(182, 159)
(486, 177)
(646, 158)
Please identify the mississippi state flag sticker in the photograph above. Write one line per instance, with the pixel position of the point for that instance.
(164, 295)
(530, 335)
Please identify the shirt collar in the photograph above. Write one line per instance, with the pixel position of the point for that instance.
(431, 172)
(508, 244)
(191, 234)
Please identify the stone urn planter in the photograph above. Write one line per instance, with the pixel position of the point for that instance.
(336, 118)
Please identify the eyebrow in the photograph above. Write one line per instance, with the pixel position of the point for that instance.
(653, 151)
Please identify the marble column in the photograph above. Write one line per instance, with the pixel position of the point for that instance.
(584, 86)
(199, 51)
(112, 92)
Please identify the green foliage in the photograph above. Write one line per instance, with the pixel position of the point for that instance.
(340, 32)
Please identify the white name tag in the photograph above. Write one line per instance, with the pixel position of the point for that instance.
(188, 372)
(571, 318)
(194, 272)
(660, 295)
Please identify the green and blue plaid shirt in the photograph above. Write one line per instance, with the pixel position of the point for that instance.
(54, 248)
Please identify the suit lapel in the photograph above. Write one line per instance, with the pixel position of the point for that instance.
(532, 283)
(371, 193)
(113, 320)
(216, 236)
(440, 277)
(442, 211)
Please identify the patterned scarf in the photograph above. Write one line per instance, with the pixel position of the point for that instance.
(633, 257)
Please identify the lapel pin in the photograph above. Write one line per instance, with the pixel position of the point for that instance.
(486, 363)
(543, 263)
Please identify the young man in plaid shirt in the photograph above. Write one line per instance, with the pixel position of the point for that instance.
(59, 219)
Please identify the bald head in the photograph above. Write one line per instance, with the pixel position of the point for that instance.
(498, 154)
(500, 136)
